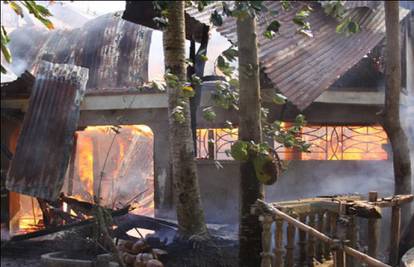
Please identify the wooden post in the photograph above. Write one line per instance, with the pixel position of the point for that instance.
(373, 229)
(319, 244)
(279, 242)
(395, 235)
(290, 245)
(267, 255)
(339, 259)
(311, 241)
(302, 242)
(327, 230)
(351, 235)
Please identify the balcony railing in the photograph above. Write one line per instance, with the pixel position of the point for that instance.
(327, 230)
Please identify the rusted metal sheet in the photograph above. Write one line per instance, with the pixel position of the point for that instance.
(114, 50)
(45, 141)
(301, 67)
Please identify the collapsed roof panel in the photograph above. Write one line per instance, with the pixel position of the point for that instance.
(45, 141)
(302, 68)
(114, 50)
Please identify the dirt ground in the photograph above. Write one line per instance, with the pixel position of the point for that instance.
(219, 252)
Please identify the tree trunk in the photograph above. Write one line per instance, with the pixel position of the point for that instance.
(392, 124)
(190, 214)
(249, 130)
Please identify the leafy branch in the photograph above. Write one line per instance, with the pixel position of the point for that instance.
(40, 12)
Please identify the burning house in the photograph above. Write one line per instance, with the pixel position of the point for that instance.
(115, 141)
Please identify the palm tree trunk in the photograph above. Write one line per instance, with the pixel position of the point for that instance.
(190, 214)
(392, 124)
(249, 130)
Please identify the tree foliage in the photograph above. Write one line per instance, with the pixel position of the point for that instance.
(40, 12)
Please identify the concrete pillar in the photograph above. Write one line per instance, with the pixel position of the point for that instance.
(163, 196)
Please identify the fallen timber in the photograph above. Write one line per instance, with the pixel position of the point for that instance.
(351, 205)
(85, 216)
(64, 227)
(328, 230)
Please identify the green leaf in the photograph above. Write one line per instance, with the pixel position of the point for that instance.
(230, 54)
(187, 91)
(300, 119)
(239, 150)
(279, 99)
(307, 33)
(203, 58)
(161, 22)
(3, 70)
(195, 80)
(272, 29)
(209, 114)
(353, 27)
(234, 83)
(347, 26)
(286, 5)
(178, 114)
(158, 86)
(16, 8)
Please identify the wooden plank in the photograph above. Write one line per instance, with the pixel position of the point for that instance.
(396, 200)
(311, 241)
(279, 242)
(46, 138)
(395, 235)
(267, 255)
(373, 229)
(290, 246)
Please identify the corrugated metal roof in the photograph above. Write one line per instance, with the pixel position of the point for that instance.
(114, 50)
(302, 68)
(45, 141)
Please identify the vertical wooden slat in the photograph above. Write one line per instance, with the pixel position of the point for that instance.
(302, 242)
(351, 235)
(319, 244)
(373, 229)
(290, 246)
(267, 254)
(279, 242)
(327, 230)
(311, 241)
(339, 258)
(395, 235)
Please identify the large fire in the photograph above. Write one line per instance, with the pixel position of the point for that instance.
(327, 143)
(117, 162)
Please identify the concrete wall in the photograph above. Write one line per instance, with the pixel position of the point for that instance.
(220, 187)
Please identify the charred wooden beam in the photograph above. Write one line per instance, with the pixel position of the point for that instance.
(395, 235)
(59, 228)
(396, 200)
